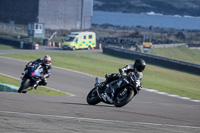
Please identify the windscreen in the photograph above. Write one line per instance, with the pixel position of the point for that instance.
(70, 39)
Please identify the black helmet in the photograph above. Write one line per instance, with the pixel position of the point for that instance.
(139, 64)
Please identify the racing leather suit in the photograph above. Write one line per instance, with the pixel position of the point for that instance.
(46, 70)
(123, 72)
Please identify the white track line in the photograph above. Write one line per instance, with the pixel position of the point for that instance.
(170, 95)
(146, 89)
(101, 120)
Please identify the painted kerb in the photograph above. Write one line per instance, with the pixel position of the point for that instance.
(8, 88)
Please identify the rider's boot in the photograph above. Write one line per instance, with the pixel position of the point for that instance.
(35, 87)
(36, 84)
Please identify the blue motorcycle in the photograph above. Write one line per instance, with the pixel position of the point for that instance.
(30, 78)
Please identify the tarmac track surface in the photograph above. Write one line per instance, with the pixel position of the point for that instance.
(148, 112)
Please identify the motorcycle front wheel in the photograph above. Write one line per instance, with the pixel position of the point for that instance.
(93, 98)
(123, 97)
(24, 85)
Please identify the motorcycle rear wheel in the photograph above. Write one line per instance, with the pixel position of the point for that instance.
(120, 101)
(93, 98)
(24, 85)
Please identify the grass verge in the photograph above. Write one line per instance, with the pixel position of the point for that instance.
(7, 47)
(179, 53)
(40, 90)
(158, 78)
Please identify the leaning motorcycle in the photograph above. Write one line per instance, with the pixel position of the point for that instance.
(119, 92)
(30, 78)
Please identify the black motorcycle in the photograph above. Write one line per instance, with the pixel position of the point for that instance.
(118, 92)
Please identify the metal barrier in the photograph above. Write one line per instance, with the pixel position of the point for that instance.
(153, 59)
(168, 45)
(17, 43)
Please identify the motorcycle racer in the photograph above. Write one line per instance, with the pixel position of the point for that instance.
(136, 68)
(46, 65)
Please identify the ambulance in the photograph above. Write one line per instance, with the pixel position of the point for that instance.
(80, 40)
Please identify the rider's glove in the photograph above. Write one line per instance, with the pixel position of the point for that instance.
(27, 65)
(122, 73)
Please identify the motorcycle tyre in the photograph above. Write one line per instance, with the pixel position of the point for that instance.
(127, 100)
(25, 84)
(93, 100)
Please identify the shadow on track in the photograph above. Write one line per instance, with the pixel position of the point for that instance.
(83, 104)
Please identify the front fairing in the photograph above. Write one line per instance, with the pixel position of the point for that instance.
(35, 71)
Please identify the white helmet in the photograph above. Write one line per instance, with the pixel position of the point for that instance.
(47, 60)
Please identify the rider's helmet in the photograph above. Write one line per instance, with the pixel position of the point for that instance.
(47, 60)
(139, 65)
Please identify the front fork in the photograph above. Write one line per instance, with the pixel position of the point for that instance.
(108, 98)
(24, 74)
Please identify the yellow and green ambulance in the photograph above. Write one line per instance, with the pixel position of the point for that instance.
(80, 40)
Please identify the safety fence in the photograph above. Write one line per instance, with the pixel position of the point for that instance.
(153, 59)
(13, 28)
(18, 43)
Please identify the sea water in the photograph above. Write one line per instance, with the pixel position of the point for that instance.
(146, 20)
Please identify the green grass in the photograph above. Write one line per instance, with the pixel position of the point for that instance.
(6, 47)
(180, 53)
(40, 90)
(158, 78)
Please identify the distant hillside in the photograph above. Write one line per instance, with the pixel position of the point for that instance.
(166, 7)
